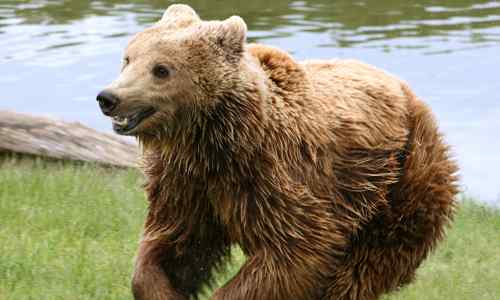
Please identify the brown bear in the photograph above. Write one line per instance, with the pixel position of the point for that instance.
(330, 175)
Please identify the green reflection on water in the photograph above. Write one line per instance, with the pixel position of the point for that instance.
(350, 22)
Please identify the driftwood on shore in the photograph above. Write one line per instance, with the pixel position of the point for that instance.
(40, 136)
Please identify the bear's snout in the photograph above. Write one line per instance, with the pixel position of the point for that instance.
(107, 102)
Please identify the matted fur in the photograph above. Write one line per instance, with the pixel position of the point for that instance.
(331, 176)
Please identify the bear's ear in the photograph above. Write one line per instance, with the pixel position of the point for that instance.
(231, 35)
(178, 16)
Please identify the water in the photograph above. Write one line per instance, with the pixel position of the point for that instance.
(56, 55)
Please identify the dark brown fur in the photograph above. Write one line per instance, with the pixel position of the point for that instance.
(330, 175)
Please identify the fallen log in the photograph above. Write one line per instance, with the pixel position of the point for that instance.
(40, 136)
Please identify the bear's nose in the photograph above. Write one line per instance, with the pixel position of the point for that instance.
(107, 102)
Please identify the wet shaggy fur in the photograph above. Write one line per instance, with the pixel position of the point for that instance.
(331, 176)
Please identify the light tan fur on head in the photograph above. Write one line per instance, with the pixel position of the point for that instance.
(200, 57)
(178, 16)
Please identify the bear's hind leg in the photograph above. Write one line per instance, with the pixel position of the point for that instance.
(388, 250)
(370, 271)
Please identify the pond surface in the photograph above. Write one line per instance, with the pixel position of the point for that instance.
(56, 55)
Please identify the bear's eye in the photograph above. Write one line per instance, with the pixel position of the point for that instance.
(126, 61)
(161, 71)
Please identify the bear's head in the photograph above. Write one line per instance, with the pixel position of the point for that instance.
(177, 67)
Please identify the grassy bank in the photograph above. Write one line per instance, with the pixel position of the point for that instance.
(70, 231)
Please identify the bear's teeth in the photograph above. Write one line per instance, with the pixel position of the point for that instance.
(120, 121)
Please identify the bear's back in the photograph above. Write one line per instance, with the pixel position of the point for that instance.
(363, 106)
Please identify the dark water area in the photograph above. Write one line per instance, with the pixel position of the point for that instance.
(56, 55)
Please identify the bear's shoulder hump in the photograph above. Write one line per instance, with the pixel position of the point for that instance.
(281, 68)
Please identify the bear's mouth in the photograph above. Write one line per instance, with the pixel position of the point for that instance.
(125, 125)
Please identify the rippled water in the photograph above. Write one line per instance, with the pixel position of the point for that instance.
(56, 55)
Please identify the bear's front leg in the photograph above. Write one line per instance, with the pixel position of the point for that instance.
(150, 282)
(175, 262)
(267, 277)
(292, 242)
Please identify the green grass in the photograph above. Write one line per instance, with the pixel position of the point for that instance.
(466, 265)
(70, 231)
